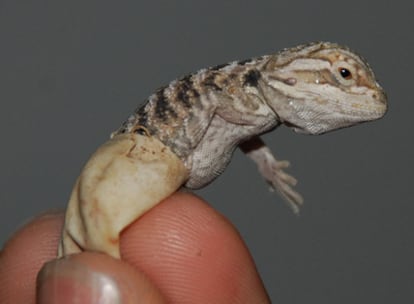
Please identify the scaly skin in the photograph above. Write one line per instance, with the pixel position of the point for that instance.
(186, 132)
(204, 116)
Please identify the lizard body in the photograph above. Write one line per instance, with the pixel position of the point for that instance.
(202, 117)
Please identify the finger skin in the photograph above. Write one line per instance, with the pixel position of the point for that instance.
(194, 255)
(23, 256)
(189, 251)
(94, 278)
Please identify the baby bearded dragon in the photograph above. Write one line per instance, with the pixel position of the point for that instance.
(186, 132)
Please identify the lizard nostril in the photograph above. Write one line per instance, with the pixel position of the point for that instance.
(382, 97)
(379, 96)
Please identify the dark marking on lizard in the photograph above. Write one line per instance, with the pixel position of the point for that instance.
(142, 116)
(182, 95)
(189, 87)
(210, 81)
(163, 108)
(251, 78)
(245, 61)
(186, 91)
(218, 67)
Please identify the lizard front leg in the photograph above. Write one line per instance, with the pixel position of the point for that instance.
(272, 171)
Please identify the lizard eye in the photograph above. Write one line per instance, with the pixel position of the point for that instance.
(345, 73)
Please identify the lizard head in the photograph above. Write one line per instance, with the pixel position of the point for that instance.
(319, 87)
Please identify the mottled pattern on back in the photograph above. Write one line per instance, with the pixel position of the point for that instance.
(180, 113)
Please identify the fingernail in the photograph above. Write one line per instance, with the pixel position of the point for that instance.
(69, 281)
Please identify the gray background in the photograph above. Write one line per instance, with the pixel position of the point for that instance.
(72, 71)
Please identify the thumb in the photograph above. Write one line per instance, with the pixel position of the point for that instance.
(94, 278)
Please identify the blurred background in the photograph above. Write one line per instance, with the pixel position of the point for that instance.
(72, 71)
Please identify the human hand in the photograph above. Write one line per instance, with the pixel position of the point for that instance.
(181, 251)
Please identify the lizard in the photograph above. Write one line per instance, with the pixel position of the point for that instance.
(186, 132)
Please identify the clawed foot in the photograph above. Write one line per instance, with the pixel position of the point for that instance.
(272, 170)
(282, 182)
